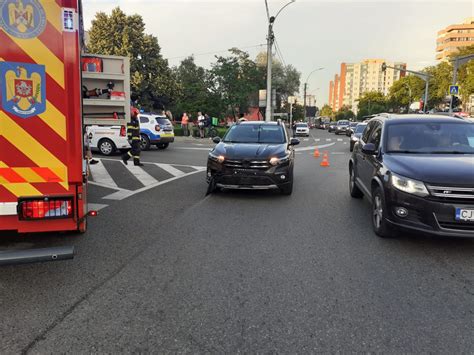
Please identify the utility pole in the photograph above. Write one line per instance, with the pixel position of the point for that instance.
(270, 37)
(304, 101)
(457, 62)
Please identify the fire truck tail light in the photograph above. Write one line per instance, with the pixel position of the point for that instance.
(123, 131)
(45, 208)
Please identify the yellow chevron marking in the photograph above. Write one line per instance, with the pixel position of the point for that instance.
(29, 175)
(22, 189)
(54, 119)
(2, 179)
(42, 55)
(53, 14)
(31, 148)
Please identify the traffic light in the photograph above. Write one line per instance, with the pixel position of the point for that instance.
(384, 66)
(456, 101)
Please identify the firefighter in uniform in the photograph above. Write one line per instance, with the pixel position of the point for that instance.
(133, 134)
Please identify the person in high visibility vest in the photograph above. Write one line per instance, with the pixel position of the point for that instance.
(133, 134)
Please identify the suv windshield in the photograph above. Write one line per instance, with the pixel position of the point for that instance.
(255, 133)
(430, 138)
(360, 128)
(301, 125)
(342, 123)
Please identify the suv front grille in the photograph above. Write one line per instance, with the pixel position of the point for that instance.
(247, 164)
(452, 194)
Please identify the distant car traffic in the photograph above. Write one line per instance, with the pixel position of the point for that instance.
(253, 155)
(418, 172)
(341, 127)
(359, 129)
(107, 139)
(302, 129)
(155, 130)
(350, 129)
(332, 126)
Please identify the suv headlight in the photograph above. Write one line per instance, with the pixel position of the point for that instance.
(216, 158)
(410, 186)
(277, 161)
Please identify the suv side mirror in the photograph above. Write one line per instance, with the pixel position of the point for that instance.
(369, 149)
(216, 140)
(294, 141)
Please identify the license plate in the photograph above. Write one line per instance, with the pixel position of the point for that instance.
(463, 214)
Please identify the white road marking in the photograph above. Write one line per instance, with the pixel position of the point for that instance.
(193, 148)
(345, 142)
(170, 169)
(118, 195)
(317, 139)
(305, 139)
(96, 206)
(145, 178)
(101, 175)
(328, 139)
(339, 139)
(106, 186)
(303, 149)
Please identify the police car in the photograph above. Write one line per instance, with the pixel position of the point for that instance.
(107, 139)
(155, 130)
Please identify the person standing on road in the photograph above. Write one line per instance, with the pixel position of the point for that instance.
(133, 134)
(184, 124)
(201, 124)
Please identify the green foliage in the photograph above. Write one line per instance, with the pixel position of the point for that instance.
(152, 80)
(344, 113)
(326, 111)
(405, 91)
(370, 103)
(465, 73)
(442, 76)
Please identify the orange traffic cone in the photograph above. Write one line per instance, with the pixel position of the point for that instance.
(316, 153)
(325, 161)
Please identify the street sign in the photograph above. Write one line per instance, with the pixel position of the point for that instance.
(454, 90)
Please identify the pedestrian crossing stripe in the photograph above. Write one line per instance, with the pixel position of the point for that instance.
(102, 176)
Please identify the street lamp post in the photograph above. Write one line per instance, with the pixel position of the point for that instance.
(305, 88)
(270, 38)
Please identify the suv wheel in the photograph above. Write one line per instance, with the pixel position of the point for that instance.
(144, 142)
(163, 145)
(379, 222)
(106, 147)
(353, 188)
(288, 188)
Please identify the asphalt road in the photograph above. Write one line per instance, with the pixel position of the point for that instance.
(169, 270)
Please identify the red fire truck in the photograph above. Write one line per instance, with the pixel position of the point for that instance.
(42, 167)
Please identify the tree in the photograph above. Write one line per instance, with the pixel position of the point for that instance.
(465, 73)
(441, 79)
(236, 78)
(151, 79)
(405, 91)
(370, 103)
(344, 113)
(196, 92)
(326, 111)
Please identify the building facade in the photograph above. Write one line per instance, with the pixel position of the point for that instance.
(357, 78)
(453, 37)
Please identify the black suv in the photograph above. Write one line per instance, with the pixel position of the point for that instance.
(418, 171)
(253, 155)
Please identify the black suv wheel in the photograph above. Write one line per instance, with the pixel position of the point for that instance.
(379, 222)
(353, 188)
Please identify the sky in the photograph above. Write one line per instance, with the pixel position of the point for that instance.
(309, 33)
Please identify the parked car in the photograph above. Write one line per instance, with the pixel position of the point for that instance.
(350, 129)
(253, 155)
(155, 130)
(332, 126)
(341, 127)
(302, 129)
(107, 139)
(358, 131)
(418, 172)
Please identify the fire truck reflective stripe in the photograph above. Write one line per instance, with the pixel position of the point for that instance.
(11, 175)
(36, 49)
(29, 175)
(53, 14)
(47, 174)
(8, 208)
(38, 154)
(22, 189)
(54, 119)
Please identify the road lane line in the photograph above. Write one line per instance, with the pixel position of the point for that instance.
(328, 139)
(142, 176)
(170, 169)
(193, 148)
(317, 139)
(96, 206)
(101, 175)
(339, 139)
(303, 149)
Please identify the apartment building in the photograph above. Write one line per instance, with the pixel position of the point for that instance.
(453, 37)
(357, 78)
